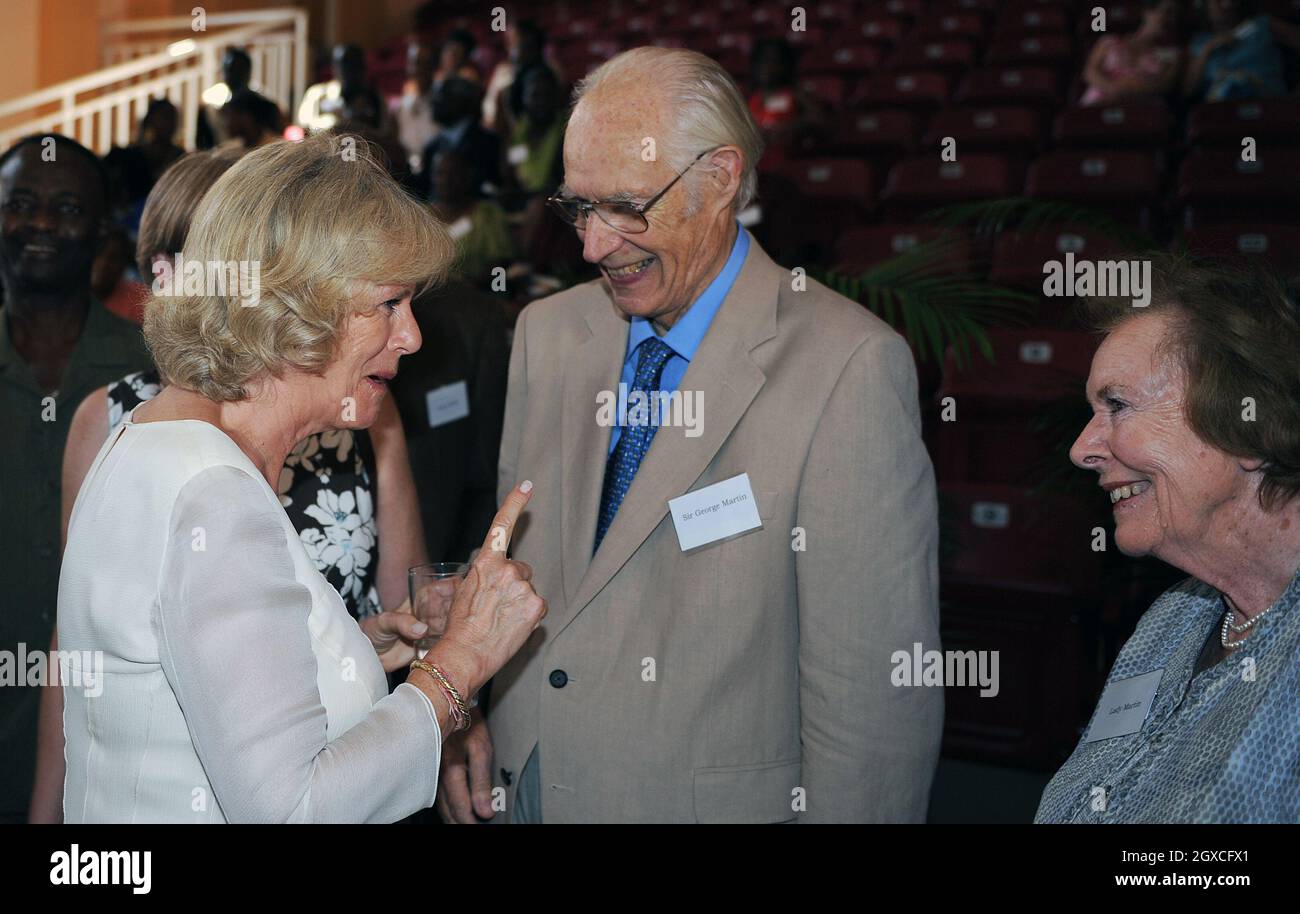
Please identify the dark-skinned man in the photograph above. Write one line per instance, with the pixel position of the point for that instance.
(57, 343)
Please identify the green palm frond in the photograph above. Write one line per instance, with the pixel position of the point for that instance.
(935, 302)
(1027, 214)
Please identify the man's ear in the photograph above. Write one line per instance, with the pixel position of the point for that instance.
(728, 165)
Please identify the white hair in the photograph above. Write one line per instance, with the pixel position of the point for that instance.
(710, 109)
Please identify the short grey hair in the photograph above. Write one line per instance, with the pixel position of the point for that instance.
(711, 110)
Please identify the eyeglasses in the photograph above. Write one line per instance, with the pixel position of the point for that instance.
(628, 218)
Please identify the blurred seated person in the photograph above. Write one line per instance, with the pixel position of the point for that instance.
(414, 110)
(454, 58)
(451, 395)
(110, 281)
(236, 76)
(456, 104)
(782, 110)
(134, 169)
(322, 103)
(478, 226)
(156, 137)
(1209, 683)
(525, 51)
(1238, 56)
(250, 120)
(1142, 64)
(535, 153)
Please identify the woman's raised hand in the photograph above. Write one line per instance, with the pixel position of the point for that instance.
(495, 608)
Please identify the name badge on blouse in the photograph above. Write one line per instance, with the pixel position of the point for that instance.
(447, 403)
(1124, 706)
(716, 512)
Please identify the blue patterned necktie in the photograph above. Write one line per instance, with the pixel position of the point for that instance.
(635, 439)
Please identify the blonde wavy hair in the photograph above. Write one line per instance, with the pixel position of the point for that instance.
(321, 218)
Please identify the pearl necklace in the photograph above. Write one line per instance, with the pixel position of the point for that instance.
(1228, 620)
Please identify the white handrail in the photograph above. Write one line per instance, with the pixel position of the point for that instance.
(115, 96)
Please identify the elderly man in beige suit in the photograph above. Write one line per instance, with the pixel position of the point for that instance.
(741, 671)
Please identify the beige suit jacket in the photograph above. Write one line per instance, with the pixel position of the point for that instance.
(749, 680)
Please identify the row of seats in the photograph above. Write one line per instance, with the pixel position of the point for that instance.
(1211, 187)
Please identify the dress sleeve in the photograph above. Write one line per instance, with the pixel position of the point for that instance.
(235, 647)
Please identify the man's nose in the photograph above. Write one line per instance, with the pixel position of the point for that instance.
(1089, 449)
(43, 218)
(599, 240)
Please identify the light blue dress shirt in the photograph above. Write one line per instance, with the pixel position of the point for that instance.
(685, 336)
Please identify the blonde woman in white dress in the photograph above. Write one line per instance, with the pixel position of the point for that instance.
(234, 684)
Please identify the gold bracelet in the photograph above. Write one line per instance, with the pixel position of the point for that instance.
(460, 714)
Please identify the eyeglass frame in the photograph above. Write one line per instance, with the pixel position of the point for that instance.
(586, 207)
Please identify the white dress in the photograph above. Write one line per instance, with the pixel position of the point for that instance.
(235, 686)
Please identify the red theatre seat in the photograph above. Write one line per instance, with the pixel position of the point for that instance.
(1035, 87)
(828, 88)
(1126, 126)
(908, 9)
(852, 61)
(923, 91)
(1019, 258)
(923, 183)
(879, 137)
(993, 435)
(949, 25)
(1122, 183)
(953, 56)
(1011, 537)
(1017, 132)
(1046, 49)
(1032, 18)
(1276, 245)
(842, 179)
(886, 31)
(1270, 121)
(1216, 186)
(864, 246)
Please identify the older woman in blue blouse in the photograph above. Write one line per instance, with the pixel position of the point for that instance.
(1195, 438)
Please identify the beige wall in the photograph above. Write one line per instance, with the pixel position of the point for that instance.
(18, 48)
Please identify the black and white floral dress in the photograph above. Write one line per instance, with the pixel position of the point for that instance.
(326, 487)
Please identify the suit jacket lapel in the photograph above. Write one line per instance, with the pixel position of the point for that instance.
(726, 374)
(596, 364)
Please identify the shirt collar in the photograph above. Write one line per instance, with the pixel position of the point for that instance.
(685, 336)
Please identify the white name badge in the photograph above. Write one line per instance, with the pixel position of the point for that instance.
(517, 155)
(1124, 706)
(715, 512)
(447, 403)
(460, 228)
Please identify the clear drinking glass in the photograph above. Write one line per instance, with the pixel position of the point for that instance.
(424, 597)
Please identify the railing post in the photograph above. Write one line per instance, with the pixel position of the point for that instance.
(299, 62)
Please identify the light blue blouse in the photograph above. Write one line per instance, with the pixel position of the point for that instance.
(1221, 746)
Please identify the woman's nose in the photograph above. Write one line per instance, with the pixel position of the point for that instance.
(1089, 449)
(406, 336)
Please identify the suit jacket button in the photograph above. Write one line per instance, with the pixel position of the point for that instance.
(559, 678)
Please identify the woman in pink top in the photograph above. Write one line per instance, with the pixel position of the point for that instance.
(1144, 63)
